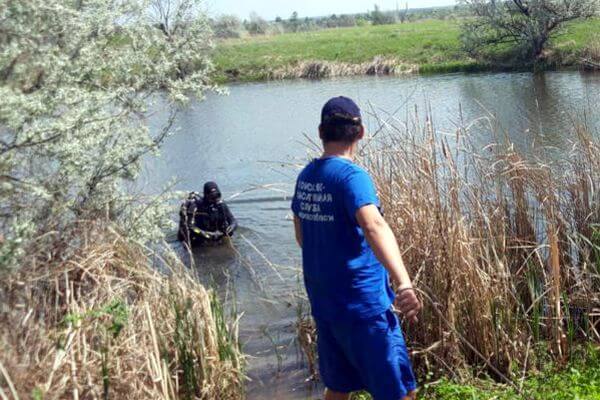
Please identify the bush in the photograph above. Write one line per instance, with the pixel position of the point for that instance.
(77, 85)
(523, 28)
(379, 17)
(362, 21)
(276, 29)
(256, 25)
(338, 22)
(227, 26)
(346, 21)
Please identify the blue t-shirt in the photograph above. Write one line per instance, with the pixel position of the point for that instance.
(343, 278)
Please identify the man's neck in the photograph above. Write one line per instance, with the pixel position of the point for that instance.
(336, 149)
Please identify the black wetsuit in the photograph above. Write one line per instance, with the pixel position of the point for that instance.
(213, 217)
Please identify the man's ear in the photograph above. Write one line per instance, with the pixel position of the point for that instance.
(361, 134)
(321, 132)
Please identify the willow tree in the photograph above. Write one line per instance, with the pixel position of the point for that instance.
(78, 81)
(524, 25)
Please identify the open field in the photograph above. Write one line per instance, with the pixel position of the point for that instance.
(424, 46)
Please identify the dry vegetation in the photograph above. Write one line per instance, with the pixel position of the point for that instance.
(591, 56)
(504, 247)
(331, 69)
(96, 321)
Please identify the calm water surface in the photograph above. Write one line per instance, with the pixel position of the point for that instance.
(252, 143)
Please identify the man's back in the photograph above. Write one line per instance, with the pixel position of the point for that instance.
(344, 279)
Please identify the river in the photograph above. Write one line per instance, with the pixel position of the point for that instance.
(252, 142)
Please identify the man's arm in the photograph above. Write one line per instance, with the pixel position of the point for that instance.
(383, 242)
(298, 230)
(230, 221)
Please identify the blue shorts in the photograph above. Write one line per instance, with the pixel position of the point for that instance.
(366, 355)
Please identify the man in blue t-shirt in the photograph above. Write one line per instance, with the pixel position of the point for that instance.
(349, 254)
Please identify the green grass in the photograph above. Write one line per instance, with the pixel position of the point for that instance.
(578, 34)
(578, 381)
(433, 45)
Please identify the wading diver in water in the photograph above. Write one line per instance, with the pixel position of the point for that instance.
(205, 219)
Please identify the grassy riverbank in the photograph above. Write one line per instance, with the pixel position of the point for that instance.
(424, 46)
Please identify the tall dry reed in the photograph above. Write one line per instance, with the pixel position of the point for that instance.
(591, 54)
(96, 321)
(329, 69)
(503, 244)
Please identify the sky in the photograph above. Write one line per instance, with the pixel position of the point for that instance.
(310, 8)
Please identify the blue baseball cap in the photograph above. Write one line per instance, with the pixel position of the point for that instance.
(341, 110)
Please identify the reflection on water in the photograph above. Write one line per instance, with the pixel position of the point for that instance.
(251, 143)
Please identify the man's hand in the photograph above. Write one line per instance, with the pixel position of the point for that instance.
(408, 303)
(384, 245)
(216, 234)
(207, 234)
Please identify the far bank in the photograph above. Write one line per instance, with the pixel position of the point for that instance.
(429, 46)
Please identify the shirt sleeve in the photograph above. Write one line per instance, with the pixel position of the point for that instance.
(358, 191)
(295, 206)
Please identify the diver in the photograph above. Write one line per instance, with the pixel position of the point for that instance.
(205, 219)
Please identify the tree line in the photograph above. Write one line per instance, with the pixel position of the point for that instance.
(230, 26)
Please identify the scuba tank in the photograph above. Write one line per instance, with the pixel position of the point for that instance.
(187, 215)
